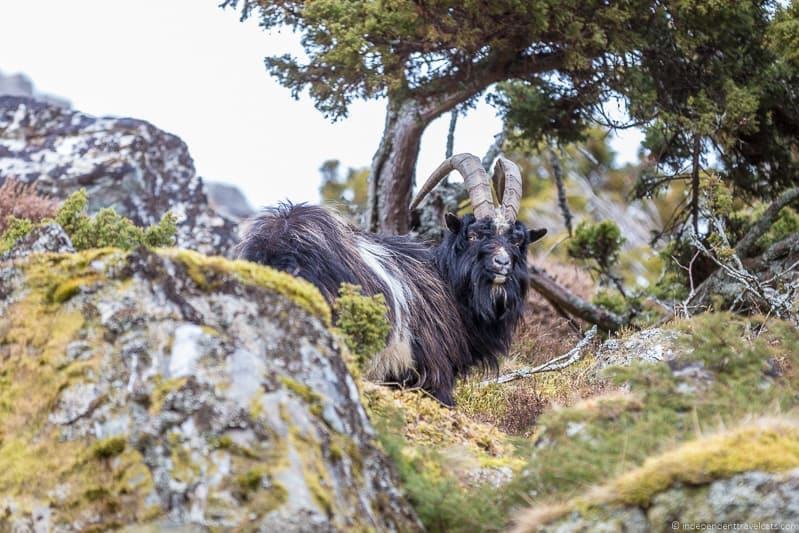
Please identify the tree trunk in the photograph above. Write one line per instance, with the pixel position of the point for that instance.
(394, 166)
(394, 163)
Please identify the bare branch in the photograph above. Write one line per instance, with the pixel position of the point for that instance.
(558, 363)
(453, 121)
(561, 298)
(690, 270)
(695, 182)
(557, 173)
(779, 303)
(493, 150)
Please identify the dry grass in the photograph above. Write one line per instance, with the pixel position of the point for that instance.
(543, 335)
(21, 200)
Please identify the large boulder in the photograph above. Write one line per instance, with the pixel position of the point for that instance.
(124, 163)
(170, 390)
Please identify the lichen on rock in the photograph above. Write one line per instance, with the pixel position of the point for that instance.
(132, 394)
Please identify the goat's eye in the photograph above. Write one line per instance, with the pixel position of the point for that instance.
(473, 236)
(516, 238)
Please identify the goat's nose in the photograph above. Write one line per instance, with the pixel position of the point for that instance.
(501, 260)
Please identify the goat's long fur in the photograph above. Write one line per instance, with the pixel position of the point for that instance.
(446, 314)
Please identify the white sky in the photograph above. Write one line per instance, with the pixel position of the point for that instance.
(193, 69)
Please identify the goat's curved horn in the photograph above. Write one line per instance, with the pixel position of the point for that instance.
(508, 182)
(474, 177)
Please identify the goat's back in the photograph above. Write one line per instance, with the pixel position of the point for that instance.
(427, 346)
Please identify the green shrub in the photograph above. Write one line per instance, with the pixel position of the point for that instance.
(106, 228)
(363, 320)
(16, 228)
(612, 301)
(600, 243)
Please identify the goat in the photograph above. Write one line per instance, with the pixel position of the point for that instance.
(452, 306)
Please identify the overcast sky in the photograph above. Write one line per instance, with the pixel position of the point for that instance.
(194, 70)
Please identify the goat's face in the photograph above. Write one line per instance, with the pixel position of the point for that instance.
(487, 263)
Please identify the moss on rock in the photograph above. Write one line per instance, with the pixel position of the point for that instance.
(205, 272)
(766, 445)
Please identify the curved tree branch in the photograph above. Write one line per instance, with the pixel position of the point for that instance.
(747, 243)
(562, 298)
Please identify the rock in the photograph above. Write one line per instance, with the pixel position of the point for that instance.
(228, 200)
(170, 390)
(46, 238)
(649, 345)
(747, 475)
(21, 85)
(752, 496)
(749, 498)
(123, 163)
(656, 345)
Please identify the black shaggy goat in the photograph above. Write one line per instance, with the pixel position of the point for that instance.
(452, 307)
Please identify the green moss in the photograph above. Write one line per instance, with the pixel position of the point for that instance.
(769, 445)
(300, 389)
(320, 495)
(311, 397)
(436, 451)
(250, 481)
(108, 448)
(96, 493)
(162, 389)
(596, 440)
(71, 287)
(204, 270)
(363, 320)
(16, 228)
(224, 442)
(269, 499)
(441, 501)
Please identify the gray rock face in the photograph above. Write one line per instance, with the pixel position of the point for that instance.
(183, 392)
(748, 498)
(47, 238)
(649, 345)
(228, 200)
(21, 85)
(123, 163)
(745, 498)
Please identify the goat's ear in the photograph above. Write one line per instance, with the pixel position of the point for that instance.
(536, 234)
(453, 222)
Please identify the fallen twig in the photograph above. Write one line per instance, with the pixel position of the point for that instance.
(558, 363)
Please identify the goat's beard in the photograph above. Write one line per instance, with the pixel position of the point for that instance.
(492, 302)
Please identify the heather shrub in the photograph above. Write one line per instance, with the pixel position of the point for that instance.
(21, 201)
